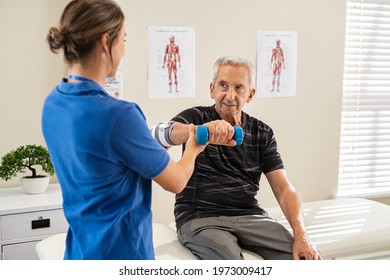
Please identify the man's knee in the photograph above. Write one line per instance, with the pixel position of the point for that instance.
(212, 244)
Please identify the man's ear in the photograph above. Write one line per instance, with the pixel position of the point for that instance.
(251, 95)
(212, 92)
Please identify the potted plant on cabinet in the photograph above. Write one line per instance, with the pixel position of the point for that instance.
(23, 158)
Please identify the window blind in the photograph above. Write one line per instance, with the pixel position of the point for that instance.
(364, 164)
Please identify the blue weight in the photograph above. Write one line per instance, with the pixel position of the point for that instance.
(238, 135)
(202, 135)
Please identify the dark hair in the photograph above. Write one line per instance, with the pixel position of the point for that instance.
(81, 26)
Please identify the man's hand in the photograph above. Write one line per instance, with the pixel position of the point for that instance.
(303, 248)
(220, 133)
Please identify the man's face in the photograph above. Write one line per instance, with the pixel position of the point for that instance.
(231, 91)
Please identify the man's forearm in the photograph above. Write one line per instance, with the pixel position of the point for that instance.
(175, 133)
(170, 133)
(288, 200)
(291, 207)
(179, 133)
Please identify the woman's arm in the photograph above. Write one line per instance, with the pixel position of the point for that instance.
(175, 176)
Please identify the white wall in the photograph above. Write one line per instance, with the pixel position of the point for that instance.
(306, 126)
(27, 71)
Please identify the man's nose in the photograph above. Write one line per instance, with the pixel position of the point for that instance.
(230, 94)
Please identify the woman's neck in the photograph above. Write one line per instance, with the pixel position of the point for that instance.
(87, 72)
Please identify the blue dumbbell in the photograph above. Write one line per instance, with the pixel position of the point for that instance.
(202, 134)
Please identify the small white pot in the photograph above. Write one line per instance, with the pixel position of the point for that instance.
(34, 185)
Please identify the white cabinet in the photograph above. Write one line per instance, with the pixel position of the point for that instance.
(26, 219)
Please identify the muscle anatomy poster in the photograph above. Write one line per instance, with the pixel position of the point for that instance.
(171, 62)
(276, 63)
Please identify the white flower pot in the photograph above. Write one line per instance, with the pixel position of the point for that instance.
(34, 185)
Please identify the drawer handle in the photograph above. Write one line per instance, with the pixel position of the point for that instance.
(40, 223)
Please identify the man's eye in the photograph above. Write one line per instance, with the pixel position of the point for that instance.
(240, 89)
(224, 86)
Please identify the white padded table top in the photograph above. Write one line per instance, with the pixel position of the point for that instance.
(349, 227)
(168, 247)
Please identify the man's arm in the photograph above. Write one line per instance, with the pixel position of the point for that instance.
(290, 204)
(172, 133)
(220, 133)
(179, 133)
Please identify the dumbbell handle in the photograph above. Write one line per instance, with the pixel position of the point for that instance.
(202, 134)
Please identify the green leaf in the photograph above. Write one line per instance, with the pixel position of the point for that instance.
(25, 157)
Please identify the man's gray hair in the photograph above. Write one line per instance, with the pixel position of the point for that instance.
(235, 61)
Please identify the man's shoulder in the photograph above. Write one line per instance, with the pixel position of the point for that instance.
(196, 114)
(200, 109)
(256, 122)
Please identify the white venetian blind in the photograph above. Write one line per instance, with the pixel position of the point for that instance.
(364, 166)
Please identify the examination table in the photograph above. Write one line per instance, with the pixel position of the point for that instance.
(347, 228)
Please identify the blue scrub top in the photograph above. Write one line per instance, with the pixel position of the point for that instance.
(104, 156)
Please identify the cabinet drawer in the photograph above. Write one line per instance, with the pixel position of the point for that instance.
(25, 225)
(21, 251)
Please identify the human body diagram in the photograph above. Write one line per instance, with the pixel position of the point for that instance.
(277, 62)
(171, 61)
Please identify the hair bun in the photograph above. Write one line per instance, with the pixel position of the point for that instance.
(55, 39)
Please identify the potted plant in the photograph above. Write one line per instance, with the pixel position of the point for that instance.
(23, 158)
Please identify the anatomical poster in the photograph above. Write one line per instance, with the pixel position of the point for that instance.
(276, 63)
(171, 62)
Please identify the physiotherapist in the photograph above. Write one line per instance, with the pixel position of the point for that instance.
(102, 150)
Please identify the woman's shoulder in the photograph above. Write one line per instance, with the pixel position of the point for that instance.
(119, 106)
